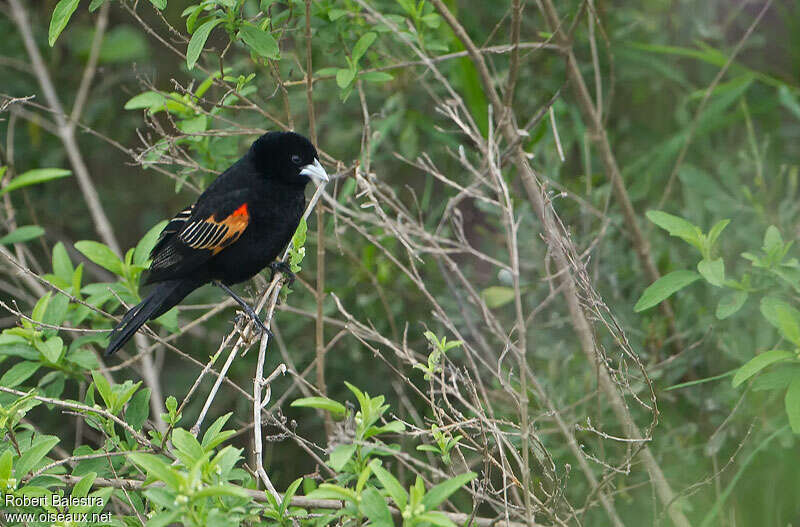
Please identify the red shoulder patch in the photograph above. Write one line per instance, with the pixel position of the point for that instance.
(241, 211)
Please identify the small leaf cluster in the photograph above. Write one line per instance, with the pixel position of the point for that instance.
(357, 463)
(199, 487)
(439, 348)
(444, 444)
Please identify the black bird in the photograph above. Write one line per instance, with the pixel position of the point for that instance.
(237, 227)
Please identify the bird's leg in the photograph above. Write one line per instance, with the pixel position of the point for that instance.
(246, 307)
(284, 268)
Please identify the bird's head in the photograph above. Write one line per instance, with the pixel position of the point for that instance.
(289, 157)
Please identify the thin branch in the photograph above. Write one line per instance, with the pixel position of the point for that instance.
(319, 323)
(91, 65)
(83, 408)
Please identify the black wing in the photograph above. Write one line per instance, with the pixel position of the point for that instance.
(197, 233)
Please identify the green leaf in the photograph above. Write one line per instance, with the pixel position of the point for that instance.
(700, 381)
(51, 349)
(730, 304)
(713, 271)
(5, 465)
(171, 403)
(333, 492)
(138, 409)
(149, 99)
(784, 317)
(391, 484)
(169, 319)
(123, 393)
(676, 226)
(163, 518)
(222, 490)
(374, 507)
(61, 15)
(773, 241)
(82, 488)
(31, 457)
(340, 456)
(716, 230)
(663, 288)
(298, 251)
(288, 495)
(436, 495)
(187, 445)
(84, 358)
(41, 307)
(344, 77)
(18, 374)
(497, 296)
(776, 378)
(792, 402)
(376, 76)
(393, 426)
(96, 5)
(147, 243)
(323, 403)
(789, 100)
(260, 41)
(157, 469)
(758, 363)
(22, 234)
(198, 40)
(195, 125)
(322, 72)
(103, 388)
(363, 45)
(299, 236)
(435, 518)
(101, 255)
(159, 4)
(62, 265)
(56, 311)
(35, 176)
(336, 14)
(212, 437)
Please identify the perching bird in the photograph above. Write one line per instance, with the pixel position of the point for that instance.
(237, 227)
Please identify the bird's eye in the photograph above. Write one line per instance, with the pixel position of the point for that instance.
(296, 159)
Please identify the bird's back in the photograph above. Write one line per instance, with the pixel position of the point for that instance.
(270, 208)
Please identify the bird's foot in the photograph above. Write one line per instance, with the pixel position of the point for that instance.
(258, 325)
(284, 268)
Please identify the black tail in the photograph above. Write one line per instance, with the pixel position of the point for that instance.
(165, 295)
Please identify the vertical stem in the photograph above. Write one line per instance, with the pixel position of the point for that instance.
(258, 384)
(319, 329)
(513, 252)
(516, 20)
(91, 65)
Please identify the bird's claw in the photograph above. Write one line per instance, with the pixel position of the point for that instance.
(258, 325)
(284, 268)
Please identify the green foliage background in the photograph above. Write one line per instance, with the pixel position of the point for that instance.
(726, 434)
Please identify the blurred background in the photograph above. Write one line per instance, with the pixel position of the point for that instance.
(686, 141)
